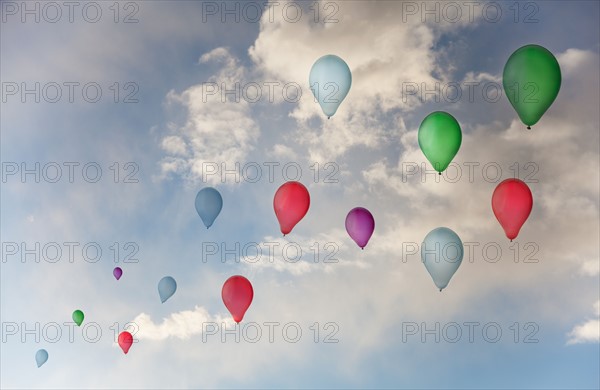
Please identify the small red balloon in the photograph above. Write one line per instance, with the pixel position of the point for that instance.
(512, 202)
(291, 204)
(125, 341)
(237, 294)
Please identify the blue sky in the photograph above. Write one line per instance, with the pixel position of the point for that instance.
(370, 298)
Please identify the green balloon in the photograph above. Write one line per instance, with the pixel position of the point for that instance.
(78, 317)
(531, 82)
(439, 139)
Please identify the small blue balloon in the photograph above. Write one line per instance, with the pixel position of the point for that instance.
(41, 357)
(208, 205)
(166, 288)
(442, 254)
(330, 80)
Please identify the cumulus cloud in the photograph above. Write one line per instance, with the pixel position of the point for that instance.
(319, 253)
(182, 325)
(588, 332)
(383, 57)
(219, 130)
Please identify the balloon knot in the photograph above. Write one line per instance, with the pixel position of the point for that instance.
(362, 249)
(528, 127)
(440, 290)
(440, 173)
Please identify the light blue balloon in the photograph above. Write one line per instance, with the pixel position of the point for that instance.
(442, 253)
(208, 205)
(330, 80)
(41, 356)
(166, 288)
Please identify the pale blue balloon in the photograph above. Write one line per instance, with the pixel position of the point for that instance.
(208, 205)
(442, 253)
(166, 288)
(41, 357)
(330, 80)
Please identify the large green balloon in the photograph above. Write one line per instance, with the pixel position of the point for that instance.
(531, 82)
(78, 317)
(439, 139)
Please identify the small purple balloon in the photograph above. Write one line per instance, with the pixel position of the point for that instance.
(360, 225)
(117, 272)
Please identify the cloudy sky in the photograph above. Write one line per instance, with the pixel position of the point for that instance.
(114, 115)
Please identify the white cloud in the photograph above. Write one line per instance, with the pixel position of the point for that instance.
(588, 332)
(218, 131)
(302, 255)
(174, 145)
(382, 57)
(284, 152)
(182, 325)
(591, 267)
(473, 77)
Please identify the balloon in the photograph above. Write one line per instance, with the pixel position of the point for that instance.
(41, 356)
(208, 205)
(166, 288)
(291, 204)
(512, 202)
(531, 81)
(442, 253)
(125, 341)
(439, 139)
(117, 272)
(78, 317)
(360, 225)
(237, 294)
(330, 80)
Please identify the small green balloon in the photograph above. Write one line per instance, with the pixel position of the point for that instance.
(439, 139)
(531, 81)
(78, 317)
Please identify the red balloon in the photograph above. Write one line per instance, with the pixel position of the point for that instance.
(237, 294)
(125, 341)
(291, 204)
(512, 203)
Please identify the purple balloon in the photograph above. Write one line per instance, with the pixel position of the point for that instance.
(360, 225)
(117, 272)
